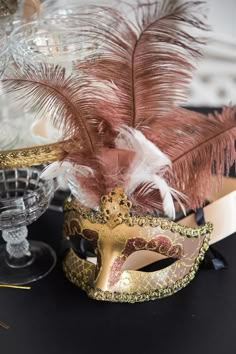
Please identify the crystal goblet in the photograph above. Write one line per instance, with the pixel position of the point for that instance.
(70, 7)
(24, 197)
(51, 40)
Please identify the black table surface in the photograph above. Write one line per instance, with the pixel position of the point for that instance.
(56, 317)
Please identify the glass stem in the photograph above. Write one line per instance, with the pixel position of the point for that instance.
(17, 246)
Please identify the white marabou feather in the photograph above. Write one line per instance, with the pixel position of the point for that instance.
(56, 169)
(67, 173)
(66, 169)
(148, 166)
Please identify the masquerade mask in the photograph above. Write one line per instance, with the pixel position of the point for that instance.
(124, 243)
(117, 236)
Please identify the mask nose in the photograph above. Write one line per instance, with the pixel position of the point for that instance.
(108, 254)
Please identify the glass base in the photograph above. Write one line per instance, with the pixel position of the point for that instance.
(42, 262)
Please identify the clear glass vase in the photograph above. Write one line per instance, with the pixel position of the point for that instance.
(4, 52)
(24, 197)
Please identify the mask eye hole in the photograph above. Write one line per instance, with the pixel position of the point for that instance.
(83, 248)
(147, 261)
(159, 265)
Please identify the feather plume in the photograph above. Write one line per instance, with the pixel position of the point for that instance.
(56, 169)
(146, 153)
(147, 167)
(138, 55)
(133, 162)
(74, 176)
(78, 105)
(63, 169)
(199, 146)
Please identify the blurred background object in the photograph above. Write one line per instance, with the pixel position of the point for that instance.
(14, 13)
(7, 7)
(214, 82)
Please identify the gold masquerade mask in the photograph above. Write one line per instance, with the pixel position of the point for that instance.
(119, 238)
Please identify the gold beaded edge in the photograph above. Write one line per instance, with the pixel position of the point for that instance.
(164, 224)
(98, 294)
(35, 155)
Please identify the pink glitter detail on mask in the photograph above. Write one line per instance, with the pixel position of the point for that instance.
(139, 243)
(160, 244)
(129, 247)
(164, 246)
(116, 270)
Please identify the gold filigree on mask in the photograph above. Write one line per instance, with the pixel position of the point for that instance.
(115, 207)
(120, 235)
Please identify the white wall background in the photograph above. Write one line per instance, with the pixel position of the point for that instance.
(214, 83)
(222, 17)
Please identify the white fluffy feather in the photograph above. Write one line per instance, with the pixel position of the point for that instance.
(67, 173)
(148, 166)
(56, 169)
(66, 169)
(147, 154)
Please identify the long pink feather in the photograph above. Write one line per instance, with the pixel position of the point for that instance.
(150, 59)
